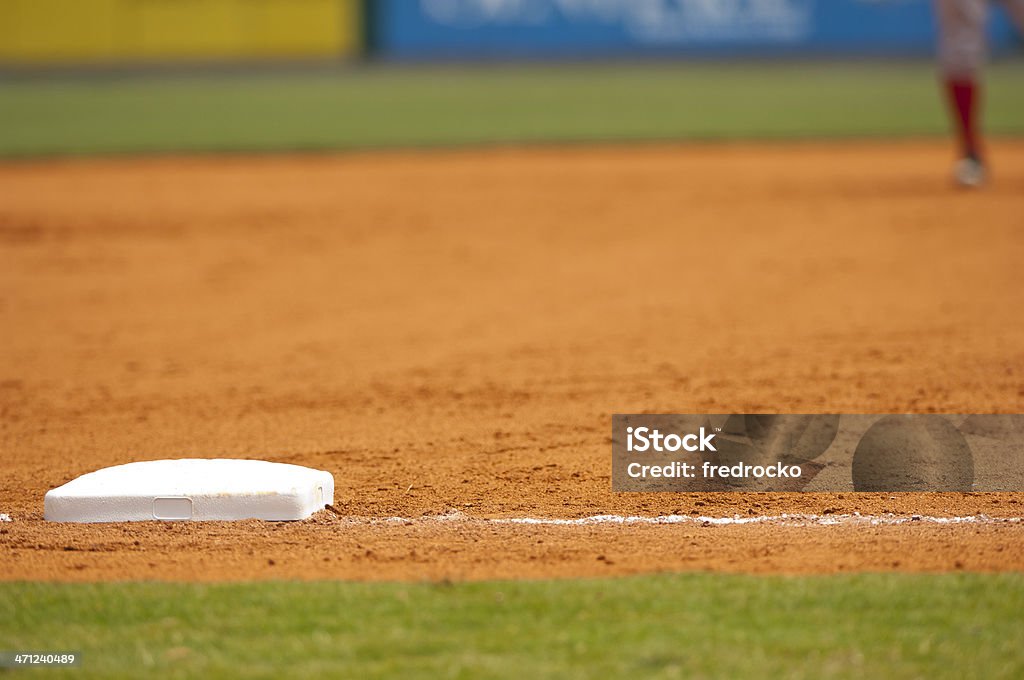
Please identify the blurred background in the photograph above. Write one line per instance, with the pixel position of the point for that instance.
(85, 76)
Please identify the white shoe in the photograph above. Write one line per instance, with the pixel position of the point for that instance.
(969, 172)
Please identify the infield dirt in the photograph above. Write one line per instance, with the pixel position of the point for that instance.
(452, 330)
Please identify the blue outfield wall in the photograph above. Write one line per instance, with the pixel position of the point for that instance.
(480, 29)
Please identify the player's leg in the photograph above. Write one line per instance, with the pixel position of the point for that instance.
(961, 54)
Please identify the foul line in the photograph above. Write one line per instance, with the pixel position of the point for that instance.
(784, 519)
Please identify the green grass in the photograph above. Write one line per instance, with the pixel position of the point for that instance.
(683, 626)
(405, 106)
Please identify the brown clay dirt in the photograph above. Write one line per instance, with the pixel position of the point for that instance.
(453, 330)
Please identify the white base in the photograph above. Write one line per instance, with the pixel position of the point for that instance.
(192, 489)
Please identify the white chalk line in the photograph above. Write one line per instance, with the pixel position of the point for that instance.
(784, 519)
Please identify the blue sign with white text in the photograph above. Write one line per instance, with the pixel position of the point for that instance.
(461, 29)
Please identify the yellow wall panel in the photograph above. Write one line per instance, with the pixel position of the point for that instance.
(141, 30)
(313, 28)
(181, 28)
(55, 30)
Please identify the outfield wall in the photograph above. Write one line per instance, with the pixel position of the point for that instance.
(140, 31)
(474, 29)
(105, 31)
